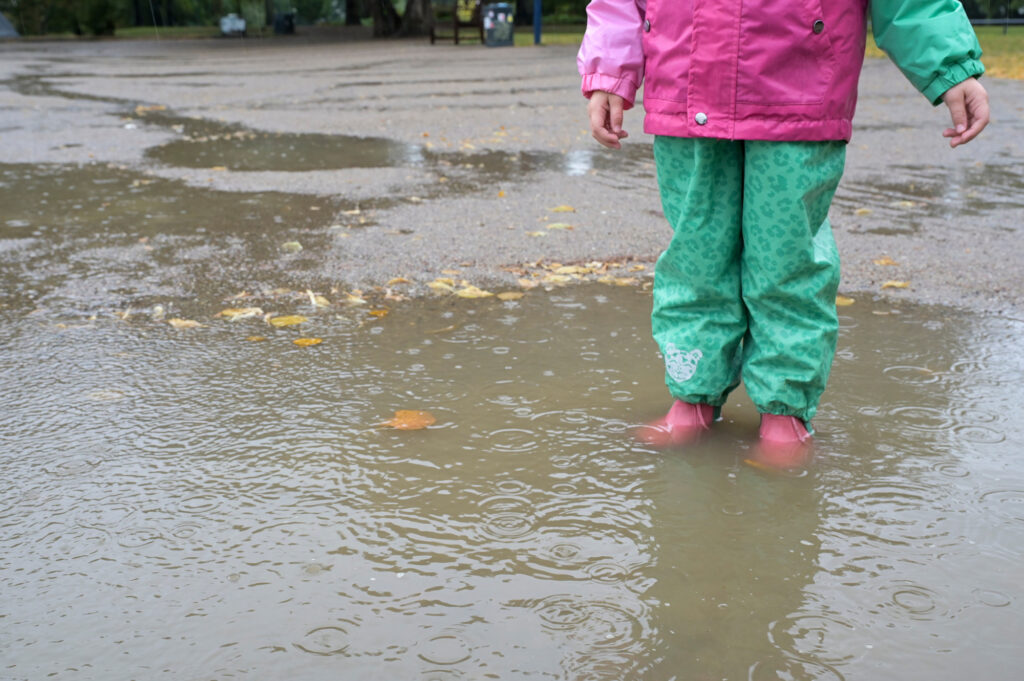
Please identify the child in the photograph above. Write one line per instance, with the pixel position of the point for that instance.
(751, 105)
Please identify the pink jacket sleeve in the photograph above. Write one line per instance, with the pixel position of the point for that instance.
(611, 57)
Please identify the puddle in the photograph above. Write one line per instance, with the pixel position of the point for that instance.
(208, 144)
(95, 237)
(193, 502)
(933, 192)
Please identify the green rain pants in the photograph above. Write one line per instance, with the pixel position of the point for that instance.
(748, 283)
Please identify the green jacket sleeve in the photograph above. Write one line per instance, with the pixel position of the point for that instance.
(931, 41)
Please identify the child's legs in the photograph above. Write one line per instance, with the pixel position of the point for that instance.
(790, 272)
(698, 318)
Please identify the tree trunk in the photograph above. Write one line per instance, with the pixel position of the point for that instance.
(353, 15)
(418, 17)
(386, 21)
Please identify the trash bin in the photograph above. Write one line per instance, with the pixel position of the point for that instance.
(498, 24)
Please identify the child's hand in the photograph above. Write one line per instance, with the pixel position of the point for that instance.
(968, 106)
(605, 111)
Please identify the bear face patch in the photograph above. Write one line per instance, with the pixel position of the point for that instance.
(681, 366)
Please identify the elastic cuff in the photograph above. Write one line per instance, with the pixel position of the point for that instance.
(805, 415)
(950, 76)
(622, 86)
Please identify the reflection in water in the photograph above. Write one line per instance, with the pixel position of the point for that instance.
(192, 503)
(209, 144)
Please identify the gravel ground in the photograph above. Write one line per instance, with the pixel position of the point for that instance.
(949, 219)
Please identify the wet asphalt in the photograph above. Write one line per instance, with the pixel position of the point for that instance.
(471, 148)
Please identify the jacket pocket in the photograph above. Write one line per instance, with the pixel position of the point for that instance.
(785, 53)
(666, 38)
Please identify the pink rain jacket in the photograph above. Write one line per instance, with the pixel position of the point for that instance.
(766, 69)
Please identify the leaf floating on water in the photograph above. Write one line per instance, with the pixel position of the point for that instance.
(892, 283)
(501, 194)
(559, 225)
(528, 283)
(379, 312)
(219, 169)
(233, 314)
(572, 269)
(903, 204)
(863, 211)
(843, 301)
(885, 261)
(317, 300)
(143, 109)
(287, 320)
(291, 247)
(256, 339)
(306, 342)
(158, 313)
(397, 280)
(510, 295)
(557, 279)
(354, 299)
(408, 419)
(563, 209)
(179, 323)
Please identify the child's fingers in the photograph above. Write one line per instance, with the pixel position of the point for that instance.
(958, 112)
(600, 126)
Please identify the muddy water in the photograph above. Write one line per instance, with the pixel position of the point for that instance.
(192, 504)
(209, 144)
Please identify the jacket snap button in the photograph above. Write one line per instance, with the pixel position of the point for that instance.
(701, 118)
(647, 25)
(819, 26)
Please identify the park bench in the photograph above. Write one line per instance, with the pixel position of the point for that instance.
(457, 14)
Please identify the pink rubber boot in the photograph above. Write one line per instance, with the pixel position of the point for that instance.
(683, 424)
(784, 443)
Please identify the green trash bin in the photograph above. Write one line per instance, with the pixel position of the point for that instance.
(499, 20)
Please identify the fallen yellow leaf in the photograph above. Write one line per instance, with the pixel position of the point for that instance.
(563, 209)
(256, 339)
(626, 281)
(473, 292)
(862, 211)
(902, 204)
(306, 342)
(527, 283)
(452, 272)
(501, 194)
(536, 233)
(353, 299)
(442, 285)
(291, 247)
(843, 301)
(287, 320)
(557, 279)
(886, 261)
(559, 225)
(572, 269)
(233, 314)
(379, 312)
(317, 300)
(142, 108)
(397, 280)
(896, 284)
(408, 419)
(219, 169)
(179, 323)
(510, 295)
